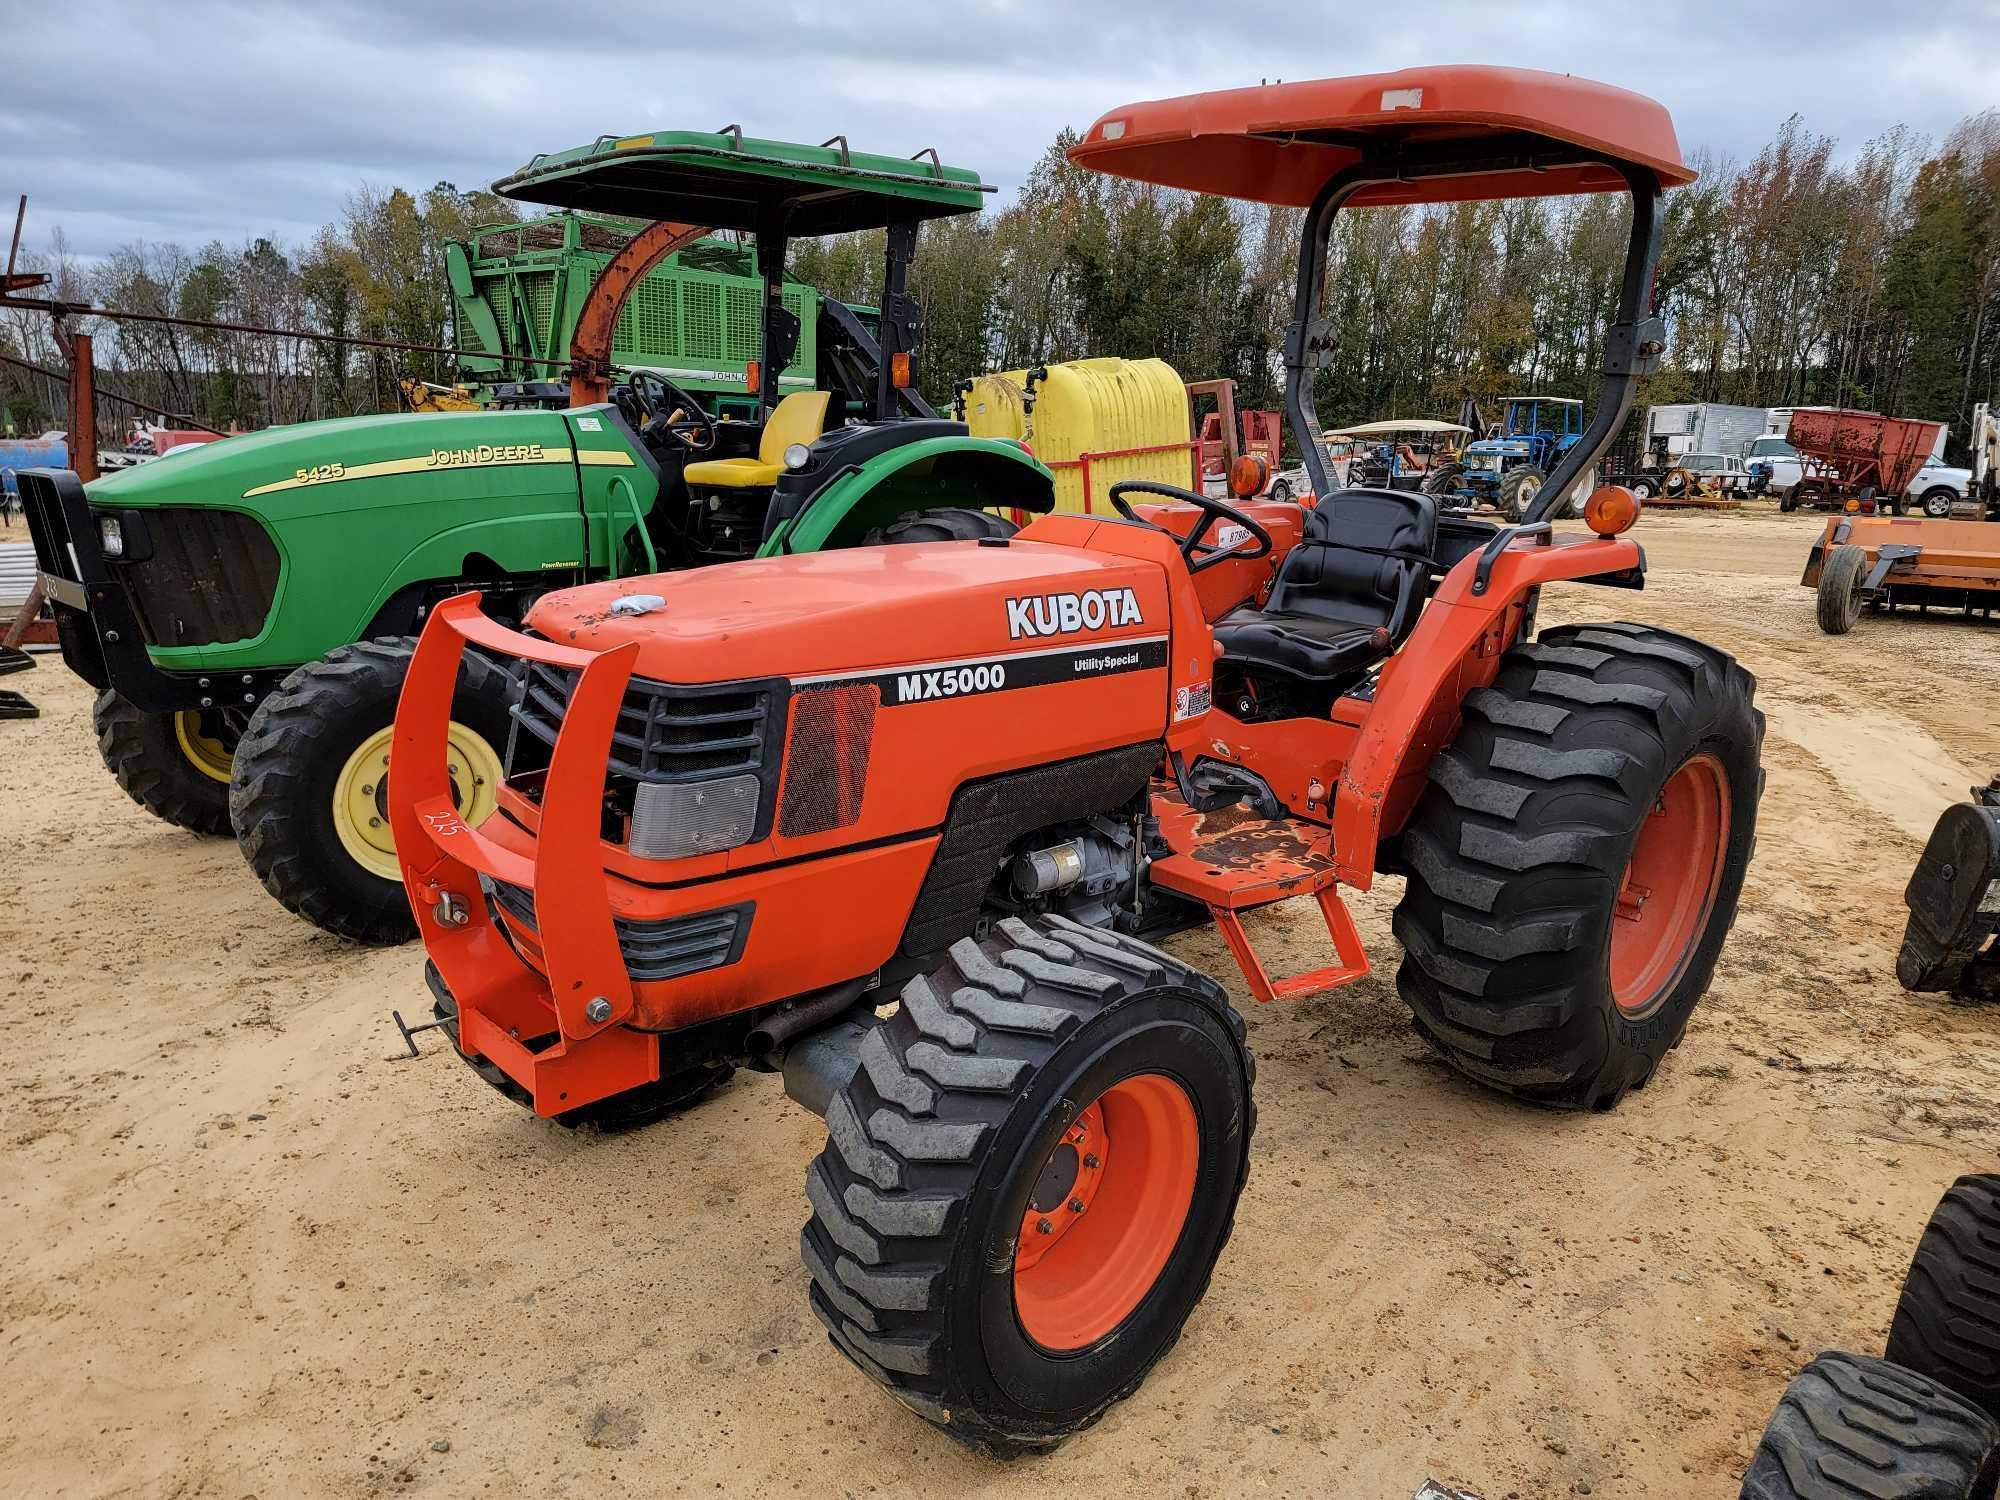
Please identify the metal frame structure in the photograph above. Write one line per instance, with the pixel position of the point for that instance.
(1632, 344)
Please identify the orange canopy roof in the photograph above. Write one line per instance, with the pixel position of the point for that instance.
(1280, 142)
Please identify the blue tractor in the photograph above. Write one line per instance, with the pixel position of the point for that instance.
(1505, 469)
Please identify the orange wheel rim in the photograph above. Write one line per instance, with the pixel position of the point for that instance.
(1669, 886)
(1106, 1211)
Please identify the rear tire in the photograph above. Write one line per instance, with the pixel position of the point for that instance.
(1947, 1323)
(955, 1141)
(293, 763)
(166, 762)
(1644, 486)
(1937, 503)
(947, 524)
(1443, 480)
(1840, 578)
(1555, 941)
(1853, 1428)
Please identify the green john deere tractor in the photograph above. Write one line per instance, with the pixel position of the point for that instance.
(247, 608)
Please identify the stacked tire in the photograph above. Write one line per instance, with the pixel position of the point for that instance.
(1924, 1422)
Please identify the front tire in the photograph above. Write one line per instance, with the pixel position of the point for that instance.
(1575, 863)
(1853, 1428)
(1840, 578)
(1947, 1323)
(1518, 488)
(1937, 503)
(1049, 1067)
(308, 798)
(175, 765)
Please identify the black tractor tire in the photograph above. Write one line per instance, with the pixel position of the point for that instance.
(669, 1094)
(143, 750)
(1937, 503)
(1947, 1323)
(1519, 848)
(946, 524)
(1443, 479)
(1519, 488)
(1840, 578)
(290, 759)
(1853, 1428)
(952, 1127)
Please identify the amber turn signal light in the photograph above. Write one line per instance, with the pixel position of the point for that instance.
(753, 375)
(899, 371)
(1611, 510)
(1248, 475)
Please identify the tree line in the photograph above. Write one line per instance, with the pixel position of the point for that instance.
(1794, 278)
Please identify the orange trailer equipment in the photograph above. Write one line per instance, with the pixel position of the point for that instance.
(1878, 562)
(748, 807)
(1856, 455)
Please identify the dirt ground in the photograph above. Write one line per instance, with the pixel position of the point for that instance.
(244, 1253)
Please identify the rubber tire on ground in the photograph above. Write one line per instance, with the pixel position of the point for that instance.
(934, 1146)
(1947, 1322)
(1937, 503)
(946, 524)
(1643, 485)
(668, 1095)
(1443, 479)
(1280, 491)
(1850, 1427)
(292, 753)
(1511, 503)
(1517, 848)
(1788, 501)
(144, 753)
(1840, 576)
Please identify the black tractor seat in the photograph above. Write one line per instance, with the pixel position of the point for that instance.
(1346, 596)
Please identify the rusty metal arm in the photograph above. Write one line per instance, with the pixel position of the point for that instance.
(590, 343)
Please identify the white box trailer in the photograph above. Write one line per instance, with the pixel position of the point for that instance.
(1703, 427)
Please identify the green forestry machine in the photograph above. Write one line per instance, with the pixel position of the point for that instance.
(521, 289)
(247, 609)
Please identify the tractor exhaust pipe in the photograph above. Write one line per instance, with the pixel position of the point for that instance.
(769, 1038)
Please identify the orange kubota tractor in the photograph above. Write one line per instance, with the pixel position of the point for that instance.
(895, 821)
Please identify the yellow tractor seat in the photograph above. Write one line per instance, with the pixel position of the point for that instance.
(799, 418)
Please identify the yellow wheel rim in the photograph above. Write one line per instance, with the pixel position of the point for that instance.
(206, 753)
(361, 803)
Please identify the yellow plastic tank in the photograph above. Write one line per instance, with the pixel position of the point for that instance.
(1094, 422)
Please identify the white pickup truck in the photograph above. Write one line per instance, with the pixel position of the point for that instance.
(1936, 488)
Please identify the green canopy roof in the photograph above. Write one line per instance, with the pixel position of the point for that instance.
(727, 180)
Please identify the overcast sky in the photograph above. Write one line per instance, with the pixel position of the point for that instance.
(197, 121)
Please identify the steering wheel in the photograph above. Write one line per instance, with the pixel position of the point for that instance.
(658, 408)
(1199, 554)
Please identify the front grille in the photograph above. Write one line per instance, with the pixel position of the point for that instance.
(653, 951)
(210, 578)
(666, 733)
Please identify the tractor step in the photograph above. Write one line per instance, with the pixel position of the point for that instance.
(1233, 861)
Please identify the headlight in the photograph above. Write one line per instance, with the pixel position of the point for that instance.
(110, 536)
(797, 457)
(679, 819)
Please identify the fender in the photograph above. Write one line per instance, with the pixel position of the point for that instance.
(1455, 648)
(984, 472)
